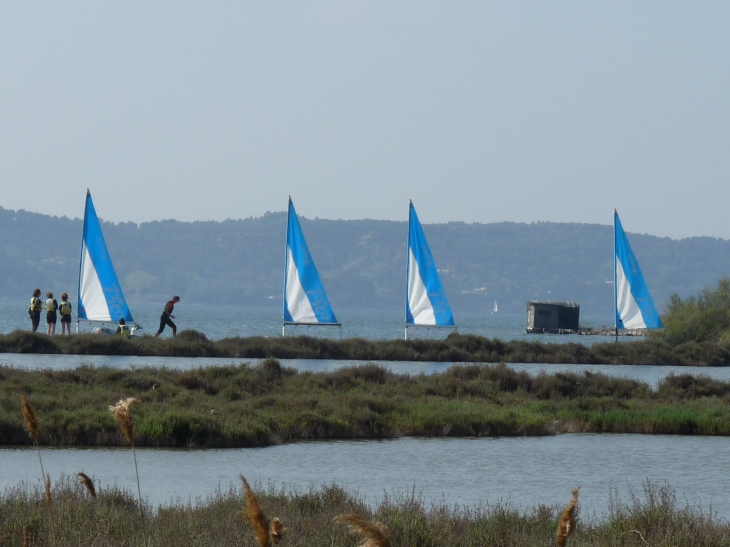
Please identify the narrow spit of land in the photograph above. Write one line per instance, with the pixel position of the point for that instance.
(242, 406)
(455, 348)
(113, 517)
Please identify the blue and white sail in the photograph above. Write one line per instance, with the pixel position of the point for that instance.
(634, 306)
(100, 295)
(426, 302)
(305, 300)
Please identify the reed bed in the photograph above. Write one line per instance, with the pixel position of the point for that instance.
(455, 348)
(243, 405)
(315, 516)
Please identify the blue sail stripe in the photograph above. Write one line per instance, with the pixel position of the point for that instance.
(93, 239)
(428, 273)
(309, 279)
(639, 291)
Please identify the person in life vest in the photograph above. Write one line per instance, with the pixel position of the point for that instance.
(36, 305)
(167, 317)
(51, 317)
(123, 329)
(65, 310)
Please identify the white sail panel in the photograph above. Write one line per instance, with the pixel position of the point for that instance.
(626, 305)
(420, 305)
(300, 309)
(90, 290)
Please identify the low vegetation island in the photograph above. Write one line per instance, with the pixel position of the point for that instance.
(245, 406)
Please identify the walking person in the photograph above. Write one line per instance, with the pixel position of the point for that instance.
(51, 316)
(36, 305)
(167, 317)
(65, 310)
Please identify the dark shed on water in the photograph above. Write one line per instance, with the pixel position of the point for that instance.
(554, 317)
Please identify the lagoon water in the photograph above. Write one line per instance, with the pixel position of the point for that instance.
(471, 472)
(464, 471)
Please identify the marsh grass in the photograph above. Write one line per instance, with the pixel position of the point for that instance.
(654, 350)
(113, 519)
(269, 404)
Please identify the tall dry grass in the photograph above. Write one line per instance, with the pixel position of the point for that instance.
(566, 524)
(267, 532)
(374, 534)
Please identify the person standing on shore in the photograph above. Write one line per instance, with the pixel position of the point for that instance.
(167, 317)
(36, 305)
(51, 316)
(65, 310)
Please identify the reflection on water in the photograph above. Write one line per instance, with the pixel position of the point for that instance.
(523, 471)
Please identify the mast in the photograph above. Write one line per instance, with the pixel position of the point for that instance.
(408, 262)
(286, 269)
(615, 280)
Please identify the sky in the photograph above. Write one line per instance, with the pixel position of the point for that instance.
(477, 111)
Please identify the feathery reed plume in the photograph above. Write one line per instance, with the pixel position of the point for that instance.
(30, 420)
(88, 483)
(276, 530)
(48, 490)
(374, 534)
(566, 524)
(26, 537)
(255, 516)
(123, 416)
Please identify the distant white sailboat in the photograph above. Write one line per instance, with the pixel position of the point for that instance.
(633, 303)
(101, 299)
(305, 300)
(426, 302)
(496, 308)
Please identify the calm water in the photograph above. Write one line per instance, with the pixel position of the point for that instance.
(226, 321)
(523, 471)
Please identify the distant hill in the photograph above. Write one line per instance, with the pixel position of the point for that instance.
(362, 262)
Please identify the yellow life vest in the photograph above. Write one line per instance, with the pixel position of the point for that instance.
(50, 305)
(124, 331)
(64, 308)
(36, 304)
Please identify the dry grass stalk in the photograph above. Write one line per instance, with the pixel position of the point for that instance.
(566, 524)
(48, 490)
(31, 422)
(88, 483)
(276, 530)
(374, 534)
(123, 416)
(256, 518)
(26, 537)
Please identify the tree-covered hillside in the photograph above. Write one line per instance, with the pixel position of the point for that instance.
(362, 262)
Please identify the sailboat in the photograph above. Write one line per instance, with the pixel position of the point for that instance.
(496, 308)
(633, 305)
(426, 303)
(305, 300)
(101, 299)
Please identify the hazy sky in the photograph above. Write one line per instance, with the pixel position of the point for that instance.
(478, 111)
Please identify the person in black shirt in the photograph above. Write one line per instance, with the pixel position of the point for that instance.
(167, 317)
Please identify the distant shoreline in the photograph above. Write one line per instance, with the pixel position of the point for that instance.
(456, 348)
